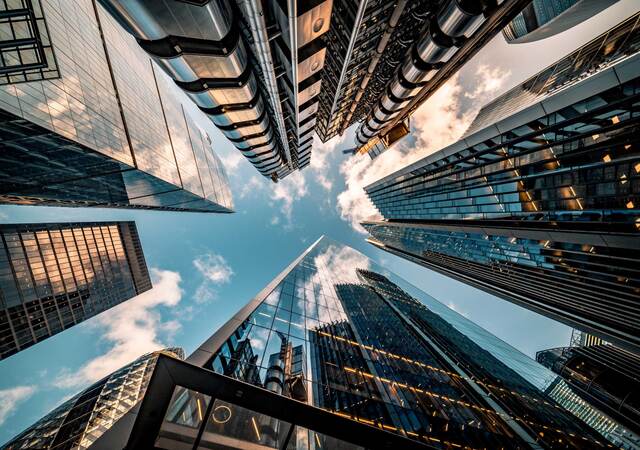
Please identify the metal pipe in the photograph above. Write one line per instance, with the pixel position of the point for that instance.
(265, 58)
(215, 72)
(457, 18)
(382, 44)
(352, 41)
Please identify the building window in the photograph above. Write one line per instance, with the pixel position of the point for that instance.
(26, 53)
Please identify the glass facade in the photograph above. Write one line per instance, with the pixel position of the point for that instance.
(339, 333)
(603, 375)
(540, 207)
(81, 420)
(26, 53)
(111, 131)
(56, 275)
(543, 18)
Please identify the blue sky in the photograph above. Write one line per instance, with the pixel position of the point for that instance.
(206, 266)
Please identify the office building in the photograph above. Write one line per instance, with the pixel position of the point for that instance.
(543, 18)
(603, 375)
(81, 420)
(252, 67)
(56, 275)
(269, 74)
(336, 347)
(399, 54)
(87, 119)
(538, 203)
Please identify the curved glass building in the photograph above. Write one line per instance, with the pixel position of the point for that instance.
(543, 18)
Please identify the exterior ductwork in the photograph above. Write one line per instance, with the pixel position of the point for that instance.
(456, 21)
(201, 48)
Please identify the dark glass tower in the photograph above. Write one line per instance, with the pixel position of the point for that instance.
(603, 375)
(337, 344)
(377, 350)
(539, 202)
(87, 119)
(56, 275)
(543, 18)
(81, 420)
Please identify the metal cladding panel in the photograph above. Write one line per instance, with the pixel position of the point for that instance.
(311, 65)
(308, 111)
(521, 117)
(481, 135)
(595, 83)
(628, 69)
(314, 22)
(310, 92)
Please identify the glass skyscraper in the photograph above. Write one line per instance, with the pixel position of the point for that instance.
(81, 420)
(56, 275)
(539, 202)
(339, 344)
(95, 122)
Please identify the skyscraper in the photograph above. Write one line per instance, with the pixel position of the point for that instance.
(603, 375)
(538, 203)
(270, 73)
(56, 275)
(543, 18)
(357, 347)
(81, 420)
(399, 54)
(87, 119)
(251, 66)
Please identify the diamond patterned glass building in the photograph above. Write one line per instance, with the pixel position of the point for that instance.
(107, 129)
(81, 420)
(56, 275)
(539, 202)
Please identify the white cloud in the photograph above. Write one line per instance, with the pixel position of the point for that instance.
(231, 161)
(214, 268)
(286, 192)
(132, 328)
(438, 122)
(490, 82)
(11, 398)
(341, 263)
(324, 181)
(253, 185)
(216, 271)
(322, 154)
